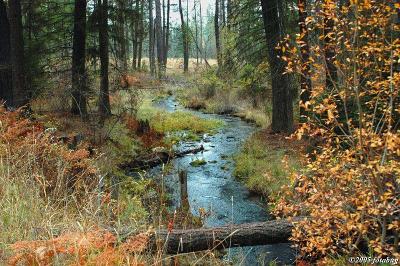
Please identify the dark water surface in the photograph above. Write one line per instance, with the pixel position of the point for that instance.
(213, 187)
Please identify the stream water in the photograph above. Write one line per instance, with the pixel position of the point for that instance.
(213, 187)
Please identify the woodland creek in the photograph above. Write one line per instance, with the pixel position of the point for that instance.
(212, 186)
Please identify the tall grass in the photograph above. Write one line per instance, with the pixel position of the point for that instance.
(265, 164)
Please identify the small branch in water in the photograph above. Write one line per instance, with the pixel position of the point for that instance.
(158, 158)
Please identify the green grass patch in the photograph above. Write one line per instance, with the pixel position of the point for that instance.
(263, 168)
(167, 122)
(183, 121)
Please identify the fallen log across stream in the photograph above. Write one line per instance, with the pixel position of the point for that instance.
(192, 240)
(180, 241)
(157, 158)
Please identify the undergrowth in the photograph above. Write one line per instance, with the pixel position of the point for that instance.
(47, 186)
(265, 163)
(245, 96)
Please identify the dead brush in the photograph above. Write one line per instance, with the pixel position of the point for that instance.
(96, 247)
(27, 146)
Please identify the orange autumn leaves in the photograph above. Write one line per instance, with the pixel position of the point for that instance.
(27, 146)
(350, 189)
(96, 247)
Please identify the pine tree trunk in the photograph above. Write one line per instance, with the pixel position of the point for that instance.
(151, 39)
(159, 39)
(229, 13)
(196, 31)
(5, 64)
(305, 79)
(20, 95)
(104, 99)
(282, 106)
(123, 63)
(166, 48)
(201, 32)
(79, 85)
(217, 34)
(222, 12)
(135, 36)
(141, 36)
(184, 40)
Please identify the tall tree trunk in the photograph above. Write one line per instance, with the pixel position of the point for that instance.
(196, 31)
(5, 65)
(217, 35)
(20, 95)
(151, 39)
(79, 86)
(166, 48)
(104, 99)
(282, 106)
(123, 63)
(184, 40)
(141, 36)
(164, 25)
(222, 12)
(305, 80)
(201, 31)
(159, 39)
(135, 36)
(228, 13)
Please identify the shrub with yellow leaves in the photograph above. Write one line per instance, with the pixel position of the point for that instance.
(351, 187)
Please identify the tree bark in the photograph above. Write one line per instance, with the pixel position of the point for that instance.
(166, 48)
(196, 31)
(185, 40)
(151, 39)
(305, 80)
(222, 12)
(201, 31)
(79, 86)
(159, 39)
(217, 34)
(192, 240)
(282, 106)
(104, 100)
(141, 36)
(228, 13)
(135, 36)
(5, 65)
(122, 55)
(20, 95)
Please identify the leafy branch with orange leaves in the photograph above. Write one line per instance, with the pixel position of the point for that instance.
(351, 187)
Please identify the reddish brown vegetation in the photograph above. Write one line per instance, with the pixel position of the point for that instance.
(148, 136)
(127, 81)
(97, 247)
(51, 162)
